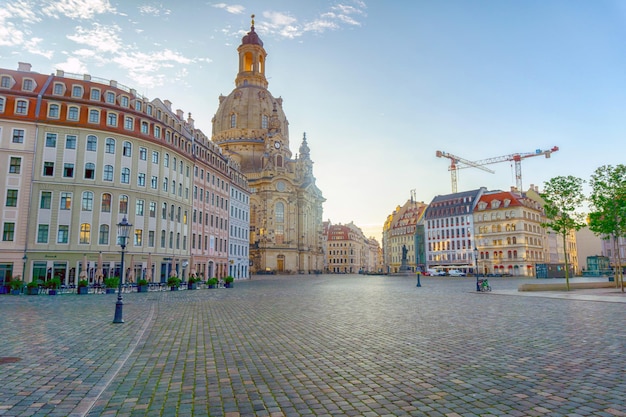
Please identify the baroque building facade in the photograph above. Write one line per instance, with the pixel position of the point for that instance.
(348, 251)
(285, 204)
(81, 154)
(404, 229)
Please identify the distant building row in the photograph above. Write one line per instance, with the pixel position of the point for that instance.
(478, 231)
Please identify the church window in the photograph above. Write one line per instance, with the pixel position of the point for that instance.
(233, 120)
(264, 122)
(279, 161)
(279, 212)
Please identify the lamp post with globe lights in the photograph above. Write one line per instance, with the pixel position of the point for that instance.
(476, 268)
(123, 230)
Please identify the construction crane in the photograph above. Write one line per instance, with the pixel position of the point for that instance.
(517, 158)
(454, 161)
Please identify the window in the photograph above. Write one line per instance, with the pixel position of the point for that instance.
(45, 202)
(128, 123)
(48, 169)
(68, 170)
(103, 238)
(77, 91)
(143, 154)
(123, 204)
(154, 182)
(11, 198)
(125, 178)
(95, 94)
(5, 82)
(42, 233)
(1, 104)
(109, 145)
(90, 171)
(141, 179)
(157, 131)
(138, 105)
(51, 140)
(155, 157)
(21, 106)
(164, 211)
(127, 149)
(166, 160)
(85, 233)
(151, 238)
(124, 101)
(110, 97)
(27, 85)
(72, 113)
(279, 212)
(149, 110)
(165, 184)
(66, 201)
(139, 206)
(108, 173)
(94, 116)
(53, 111)
(106, 203)
(87, 203)
(138, 237)
(162, 238)
(15, 165)
(58, 89)
(233, 120)
(63, 234)
(92, 143)
(70, 141)
(8, 232)
(112, 119)
(153, 209)
(144, 127)
(18, 136)
(264, 122)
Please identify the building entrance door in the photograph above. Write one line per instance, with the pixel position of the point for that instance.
(280, 264)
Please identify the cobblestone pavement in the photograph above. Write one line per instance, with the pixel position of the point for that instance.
(315, 346)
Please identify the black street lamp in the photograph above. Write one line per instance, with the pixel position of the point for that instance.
(476, 268)
(123, 230)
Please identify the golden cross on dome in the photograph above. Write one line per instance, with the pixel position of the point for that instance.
(252, 20)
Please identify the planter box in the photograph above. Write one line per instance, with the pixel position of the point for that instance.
(229, 284)
(192, 286)
(83, 290)
(110, 291)
(173, 288)
(16, 292)
(32, 291)
(212, 285)
(142, 288)
(52, 292)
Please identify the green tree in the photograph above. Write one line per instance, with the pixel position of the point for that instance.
(563, 198)
(608, 209)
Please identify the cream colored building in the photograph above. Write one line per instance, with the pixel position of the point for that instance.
(400, 230)
(348, 251)
(285, 204)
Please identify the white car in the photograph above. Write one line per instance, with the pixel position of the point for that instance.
(456, 273)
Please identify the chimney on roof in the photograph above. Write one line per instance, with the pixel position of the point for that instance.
(180, 114)
(24, 66)
(168, 104)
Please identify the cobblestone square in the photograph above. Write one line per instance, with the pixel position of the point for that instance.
(327, 345)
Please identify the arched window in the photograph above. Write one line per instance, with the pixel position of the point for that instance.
(90, 171)
(109, 146)
(233, 120)
(53, 111)
(125, 179)
(123, 204)
(279, 212)
(87, 201)
(85, 233)
(127, 149)
(514, 240)
(92, 143)
(106, 203)
(103, 239)
(108, 173)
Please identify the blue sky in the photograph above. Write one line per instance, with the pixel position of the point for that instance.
(378, 86)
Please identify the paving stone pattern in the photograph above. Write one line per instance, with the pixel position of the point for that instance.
(323, 345)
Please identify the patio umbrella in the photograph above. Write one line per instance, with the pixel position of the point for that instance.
(192, 268)
(149, 268)
(131, 265)
(99, 273)
(83, 272)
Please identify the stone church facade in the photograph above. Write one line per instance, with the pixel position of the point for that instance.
(286, 232)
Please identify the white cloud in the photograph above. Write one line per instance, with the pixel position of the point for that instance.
(153, 10)
(16, 33)
(102, 38)
(144, 68)
(230, 8)
(72, 65)
(76, 9)
(32, 46)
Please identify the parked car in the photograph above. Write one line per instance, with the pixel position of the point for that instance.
(434, 273)
(456, 273)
